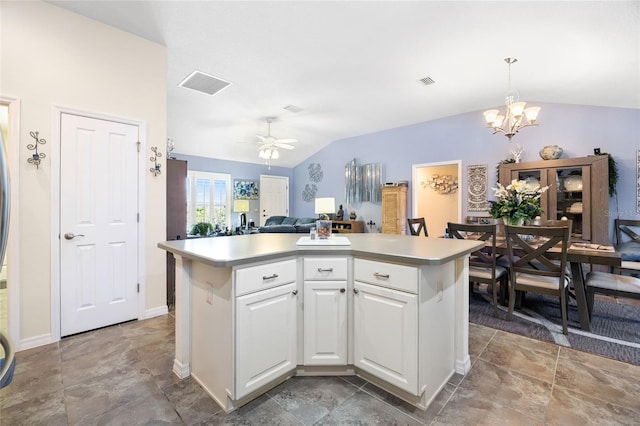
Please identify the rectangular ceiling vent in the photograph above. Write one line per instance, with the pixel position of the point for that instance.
(426, 81)
(204, 83)
(293, 108)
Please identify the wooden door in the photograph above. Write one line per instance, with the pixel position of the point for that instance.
(274, 197)
(98, 223)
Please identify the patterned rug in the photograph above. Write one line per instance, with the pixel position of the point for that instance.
(615, 327)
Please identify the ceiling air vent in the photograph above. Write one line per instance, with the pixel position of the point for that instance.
(293, 108)
(204, 83)
(426, 81)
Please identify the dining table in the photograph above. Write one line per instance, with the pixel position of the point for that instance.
(578, 254)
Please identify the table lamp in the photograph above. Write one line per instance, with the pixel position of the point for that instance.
(241, 206)
(325, 206)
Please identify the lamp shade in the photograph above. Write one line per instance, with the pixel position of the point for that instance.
(325, 205)
(241, 205)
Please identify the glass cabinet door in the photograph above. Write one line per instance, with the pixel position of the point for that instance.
(571, 199)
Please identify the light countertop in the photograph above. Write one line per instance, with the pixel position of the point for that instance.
(242, 249)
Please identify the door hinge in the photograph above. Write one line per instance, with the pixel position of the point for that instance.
(138, 217)
(138, 287)
(138, 145)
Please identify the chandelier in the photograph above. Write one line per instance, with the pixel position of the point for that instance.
(516, 116)
(268, 154)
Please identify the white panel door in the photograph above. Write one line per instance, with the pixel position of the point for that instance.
(98, 223)
(274, 197)
(325, 323)
(386, 334)
(265, 337)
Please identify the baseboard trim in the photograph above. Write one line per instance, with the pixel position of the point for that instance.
(156, 312)
(181, 370)
(35, 341)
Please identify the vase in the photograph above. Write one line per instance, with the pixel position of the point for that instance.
(513, 221)
(551, 152)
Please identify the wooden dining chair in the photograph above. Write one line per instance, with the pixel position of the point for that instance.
(530, 267)
(611, 285)
(417, 225)
(628, 244)
(482, 263)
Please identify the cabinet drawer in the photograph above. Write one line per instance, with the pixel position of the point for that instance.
(391, 275)
(325, 268)
(265, 276)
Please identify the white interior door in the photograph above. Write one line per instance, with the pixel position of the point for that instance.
(274, 197)
(98, 223)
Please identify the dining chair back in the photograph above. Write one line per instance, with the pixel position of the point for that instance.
(482, 263)
(530, 267)
(628, 244)
(417, 225)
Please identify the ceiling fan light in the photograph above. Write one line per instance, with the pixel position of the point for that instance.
(275, 154)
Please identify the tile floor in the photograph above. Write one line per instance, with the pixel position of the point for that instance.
(121, 375)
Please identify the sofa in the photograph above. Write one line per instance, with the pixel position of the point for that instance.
(287, 224)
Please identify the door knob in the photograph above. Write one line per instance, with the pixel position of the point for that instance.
(71, 235)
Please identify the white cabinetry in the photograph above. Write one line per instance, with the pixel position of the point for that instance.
(386, 322)
(325, 311)
(265, 338)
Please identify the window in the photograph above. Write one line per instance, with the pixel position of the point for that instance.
(208, 199)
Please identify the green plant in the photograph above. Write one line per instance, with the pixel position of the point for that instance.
(500, 163)
(613, 175)
(201, 228)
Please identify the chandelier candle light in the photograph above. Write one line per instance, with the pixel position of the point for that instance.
(516, 116)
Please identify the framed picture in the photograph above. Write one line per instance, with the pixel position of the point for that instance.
(245, 190)
(477, 183)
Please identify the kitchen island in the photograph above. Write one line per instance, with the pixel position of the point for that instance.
(254, 310)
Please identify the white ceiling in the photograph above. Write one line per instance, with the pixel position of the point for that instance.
(354, 66)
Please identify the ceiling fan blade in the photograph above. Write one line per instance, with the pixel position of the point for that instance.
(283, 145)
(287, 140)
(262, 138)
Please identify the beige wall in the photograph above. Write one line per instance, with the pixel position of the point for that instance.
(437, 209)
(51, 57)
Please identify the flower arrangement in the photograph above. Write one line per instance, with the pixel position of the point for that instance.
(518, 202)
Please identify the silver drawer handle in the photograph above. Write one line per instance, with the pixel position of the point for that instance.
(270, 277)
(378, 275)
(325, 269)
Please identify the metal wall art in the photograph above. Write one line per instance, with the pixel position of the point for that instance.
(477, 182)
(245, 190)
(309, 192)
(156, 166)
(442, 184)
(37, 156)
(170, 147)
(315, 172)
(363, 183)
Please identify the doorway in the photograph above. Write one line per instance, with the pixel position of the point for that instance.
(435, 202)
(274, 197)
(98, 244)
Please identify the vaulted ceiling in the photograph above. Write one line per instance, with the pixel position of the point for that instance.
(353, 67)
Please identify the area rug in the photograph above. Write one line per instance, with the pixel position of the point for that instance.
(615, 328)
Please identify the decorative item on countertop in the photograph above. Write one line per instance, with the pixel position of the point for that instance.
(37, 156)
(340, 214)
(352, 215)
(518, 202)
(551, 152)
(156, 166)
(323, 229)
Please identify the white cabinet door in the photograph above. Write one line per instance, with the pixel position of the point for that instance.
(265, 337)
(325, 323)
(386, 334)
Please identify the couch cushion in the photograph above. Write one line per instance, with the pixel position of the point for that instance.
(306, 220)
(304, 228)
(289, 229)
(274, 220)
(289, 221)
(629, 251)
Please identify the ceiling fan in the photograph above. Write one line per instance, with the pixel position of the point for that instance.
(269, 145)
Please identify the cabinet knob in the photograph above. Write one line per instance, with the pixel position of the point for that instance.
(294, 292)
(342, 290)
(356, 291)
